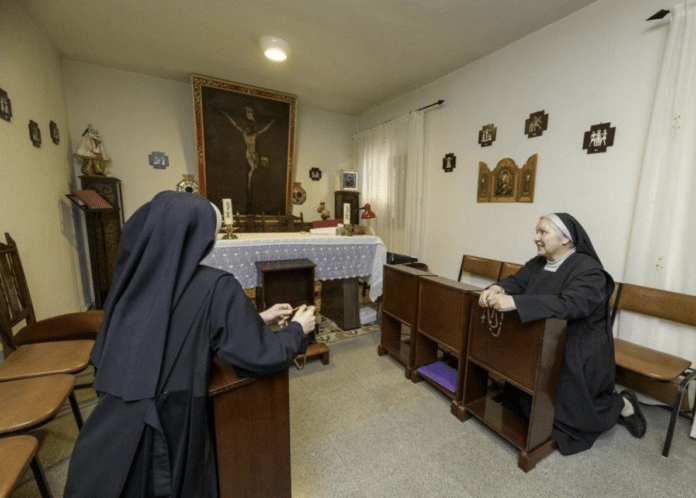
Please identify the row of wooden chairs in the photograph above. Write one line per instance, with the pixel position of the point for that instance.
(249, 223)
(37, 375)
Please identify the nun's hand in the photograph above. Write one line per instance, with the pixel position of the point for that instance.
(485, 299)
(502, 302)
(305, 317)
(276, 313)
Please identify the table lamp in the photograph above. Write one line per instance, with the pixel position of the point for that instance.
(368, 214)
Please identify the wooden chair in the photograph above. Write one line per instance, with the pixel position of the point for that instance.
(508, 269)
(16, 307)
(296, 223)
(36, 359)
(17, 453)
(660, 375)
(283, 223)
(484, 267)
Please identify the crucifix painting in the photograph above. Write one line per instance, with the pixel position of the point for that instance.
(245, 145)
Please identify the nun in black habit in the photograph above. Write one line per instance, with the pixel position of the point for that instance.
(165, 318)
(566, 280)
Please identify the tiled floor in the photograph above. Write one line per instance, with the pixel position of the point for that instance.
(359, 428)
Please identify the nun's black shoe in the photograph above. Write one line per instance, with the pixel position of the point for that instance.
(636, 423)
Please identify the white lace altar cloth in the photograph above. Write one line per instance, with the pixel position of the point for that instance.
(335, 256)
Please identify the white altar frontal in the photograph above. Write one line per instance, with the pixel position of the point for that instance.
(335, 257)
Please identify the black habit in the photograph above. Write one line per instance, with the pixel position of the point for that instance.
(578, 291)
(166, 316)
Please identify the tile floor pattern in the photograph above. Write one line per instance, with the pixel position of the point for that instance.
(359, 428)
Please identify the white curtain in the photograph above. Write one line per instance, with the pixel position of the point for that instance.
(390, 160)
(663, 236)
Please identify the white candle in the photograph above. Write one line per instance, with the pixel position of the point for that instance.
(227, 209)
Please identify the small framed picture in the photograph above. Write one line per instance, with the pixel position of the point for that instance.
(349, 180)
(5, 106)
(35, 133)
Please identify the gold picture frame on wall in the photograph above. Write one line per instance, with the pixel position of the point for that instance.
(484, 184)
(527, 180)
(504, 181)
(245, 145)
(507, 182)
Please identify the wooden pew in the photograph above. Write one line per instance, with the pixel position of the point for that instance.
(399, 310)
(526, 355)
(441, 332)
(659, 375)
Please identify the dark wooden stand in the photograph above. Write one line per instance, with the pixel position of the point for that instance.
(290, 281)
(528, 356)
(340, 303)
(103, 233)
(399, 310)
(442, 328)
(252, 433)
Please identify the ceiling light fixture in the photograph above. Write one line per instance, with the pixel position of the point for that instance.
(274, 48)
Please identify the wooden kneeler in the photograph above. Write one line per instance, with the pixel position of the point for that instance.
(290, 281)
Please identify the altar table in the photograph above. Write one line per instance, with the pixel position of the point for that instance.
(336, 257)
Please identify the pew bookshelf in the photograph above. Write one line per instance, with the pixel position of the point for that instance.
(529, 357)
(399, 311)
(441, 331)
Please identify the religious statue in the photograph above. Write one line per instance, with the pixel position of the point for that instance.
(91, 150)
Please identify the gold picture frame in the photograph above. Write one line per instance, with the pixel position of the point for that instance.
(504, 181)
(245, 145)
(507, 182)
(527, 179)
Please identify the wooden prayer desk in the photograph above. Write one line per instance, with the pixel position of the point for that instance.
(528, 356)
(399, 309)
(290, 281)
(252, 433)
(442, 326)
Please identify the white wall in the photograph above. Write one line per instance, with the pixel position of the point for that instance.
(325, 142)
(33, 206)
(598, 65)
(137, 114)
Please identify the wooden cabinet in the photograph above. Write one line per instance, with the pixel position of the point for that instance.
(441, 336)
(526, 355)
(399, 312)
(252, 432)
(103, 233)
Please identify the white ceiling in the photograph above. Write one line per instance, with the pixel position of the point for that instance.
(347, 55)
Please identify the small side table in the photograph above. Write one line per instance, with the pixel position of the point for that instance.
(290, 281)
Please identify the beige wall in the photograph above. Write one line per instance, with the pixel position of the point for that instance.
(598, 65)
(33, 206)
(137, 114)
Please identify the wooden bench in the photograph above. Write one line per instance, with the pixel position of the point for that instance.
(660, 375)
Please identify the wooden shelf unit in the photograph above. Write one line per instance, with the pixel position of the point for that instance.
(399, 311)
(526, 355)
(442, 325)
